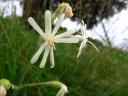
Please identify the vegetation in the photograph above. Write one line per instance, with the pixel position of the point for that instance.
(93, 74)
(91, 11)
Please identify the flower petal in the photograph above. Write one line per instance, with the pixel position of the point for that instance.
(35, 26)
(37, 54)
(81, 38)
(65, 34)
(82, 45)
(61, 18)
(79, 53)
(83, 28)
(48, 22)
(52, 58)
(94, 46)
(67, 40)
(42, 64)
(60, 92)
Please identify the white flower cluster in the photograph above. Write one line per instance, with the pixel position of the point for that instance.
(49, 37)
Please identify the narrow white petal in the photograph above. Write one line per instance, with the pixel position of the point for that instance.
(79, 37)
(59, 22)
(35, 26)
(79, 53)
(83, 28)
(52, 58)
(42, 64)
(60, 92)
(48, 22)
(67, 40)
(82, 45)
(66, 34)
(86, 36)
(37, 54)
(94, 46)
(82, 22)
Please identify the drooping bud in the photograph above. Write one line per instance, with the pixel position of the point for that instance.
(2, 91)
(57, 84)
(68, 11)
(63, 88)
(5, 83)
(63, 8)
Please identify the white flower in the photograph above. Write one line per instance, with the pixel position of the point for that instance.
(63, 88)
(49, 37)
(84, 39)
(2, 91)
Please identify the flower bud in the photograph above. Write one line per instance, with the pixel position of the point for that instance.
(5, 83)
(56, 83)
(68, 11)
(2, 91)
(63, 8)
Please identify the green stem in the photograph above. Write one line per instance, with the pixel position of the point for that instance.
(32, 85)
(24, 74)
(59, 11)
(22, 78)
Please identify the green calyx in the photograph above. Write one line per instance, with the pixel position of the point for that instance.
(5, 83)
(59, 10)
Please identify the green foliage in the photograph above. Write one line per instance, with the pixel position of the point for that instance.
(93, 74)
(91, 11)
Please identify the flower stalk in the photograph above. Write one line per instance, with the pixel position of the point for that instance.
(57, 84)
